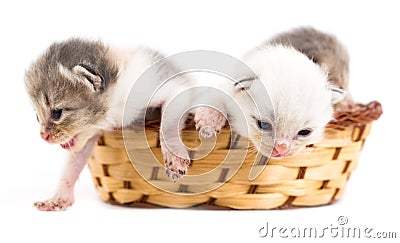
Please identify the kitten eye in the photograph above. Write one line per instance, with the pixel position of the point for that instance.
(37, 117)
(56, 114)
(264, 125)
(304, 132)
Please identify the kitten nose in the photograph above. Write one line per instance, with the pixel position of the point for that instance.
(280, 149)
(45, 136)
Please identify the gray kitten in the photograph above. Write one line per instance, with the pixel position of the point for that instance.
(79, 88)
(323, 49)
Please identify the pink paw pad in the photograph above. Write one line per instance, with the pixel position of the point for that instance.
(209, 121)
(176, 167)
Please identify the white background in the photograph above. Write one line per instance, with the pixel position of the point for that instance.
(30, 168)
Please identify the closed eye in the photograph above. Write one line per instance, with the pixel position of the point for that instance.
(249, 79)
(245, 83)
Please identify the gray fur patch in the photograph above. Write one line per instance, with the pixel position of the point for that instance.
(322, 48)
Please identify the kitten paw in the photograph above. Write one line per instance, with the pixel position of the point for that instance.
(209, 121)
(173, 176)
(53, 205)
(176, 167)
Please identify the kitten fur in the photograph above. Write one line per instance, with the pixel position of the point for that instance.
(325, 50)
(79, 88)
(290, 93)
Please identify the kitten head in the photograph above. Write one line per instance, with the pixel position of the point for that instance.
(300, 103)
(67, 87)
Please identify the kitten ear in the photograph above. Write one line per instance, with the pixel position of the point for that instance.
(91, 77)
(244, 84)
(337, 94)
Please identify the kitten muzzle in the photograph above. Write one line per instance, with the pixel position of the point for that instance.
(280, 149)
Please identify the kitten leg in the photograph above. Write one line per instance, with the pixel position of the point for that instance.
(175, 155)
(209, 121)
(65, 192)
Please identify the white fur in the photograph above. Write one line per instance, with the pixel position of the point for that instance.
(132, 63)
(157, 90)
(300, 95)
(73, 77)
(221, 95)
(299, 90)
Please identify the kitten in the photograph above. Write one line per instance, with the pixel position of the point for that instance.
(79, 89)
(323, 49)
(286, 105)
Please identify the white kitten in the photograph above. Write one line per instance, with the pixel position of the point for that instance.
(286, 105)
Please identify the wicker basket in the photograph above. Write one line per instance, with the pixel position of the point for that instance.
(315, 177)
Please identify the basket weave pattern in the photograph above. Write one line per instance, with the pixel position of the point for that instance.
(317, 176)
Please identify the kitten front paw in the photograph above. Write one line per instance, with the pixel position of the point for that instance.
(176, 167)
(209, 121)
(56, 204)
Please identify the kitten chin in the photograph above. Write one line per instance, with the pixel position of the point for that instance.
(264, 143)
(267, 146)
(78, 141)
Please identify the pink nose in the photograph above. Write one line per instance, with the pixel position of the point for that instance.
(280, 149)
(45, 136)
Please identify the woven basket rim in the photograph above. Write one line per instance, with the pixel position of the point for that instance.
(358, 115)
